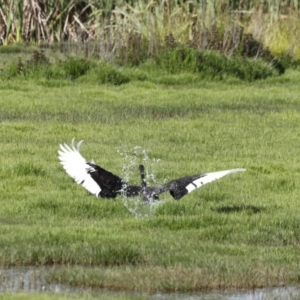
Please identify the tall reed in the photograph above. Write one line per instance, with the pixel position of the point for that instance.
(136, 29)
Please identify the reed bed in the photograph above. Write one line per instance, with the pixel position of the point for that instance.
(135, 30)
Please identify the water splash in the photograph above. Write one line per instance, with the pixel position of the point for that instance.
(132, 158)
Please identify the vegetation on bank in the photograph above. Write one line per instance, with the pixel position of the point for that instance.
(38, 65)
(214, 39)
(133, 31)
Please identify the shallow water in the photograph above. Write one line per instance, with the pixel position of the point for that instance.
(32, 280)
(29, 280)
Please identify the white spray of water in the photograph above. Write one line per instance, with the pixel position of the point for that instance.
(132, 158)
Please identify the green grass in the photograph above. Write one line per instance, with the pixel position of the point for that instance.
(188, 64)
(239, 232)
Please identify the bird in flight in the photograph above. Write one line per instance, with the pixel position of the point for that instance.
(104, 184)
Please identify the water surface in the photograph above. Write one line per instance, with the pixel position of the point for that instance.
(33, 280)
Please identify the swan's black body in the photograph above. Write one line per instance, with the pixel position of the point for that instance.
(104, 184)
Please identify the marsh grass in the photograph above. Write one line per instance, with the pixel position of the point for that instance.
(212, 64)
(185, 62)
(241, 231)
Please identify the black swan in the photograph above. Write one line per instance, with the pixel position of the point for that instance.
(107, 185)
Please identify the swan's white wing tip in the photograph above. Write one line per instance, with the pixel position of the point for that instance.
(209, 177)
(77, 166)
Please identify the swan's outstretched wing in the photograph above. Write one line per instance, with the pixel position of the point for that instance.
(182, 186)
(92, 177)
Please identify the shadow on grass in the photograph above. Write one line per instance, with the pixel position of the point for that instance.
(239, 208)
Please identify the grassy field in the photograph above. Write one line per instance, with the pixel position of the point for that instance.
(239, 232)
